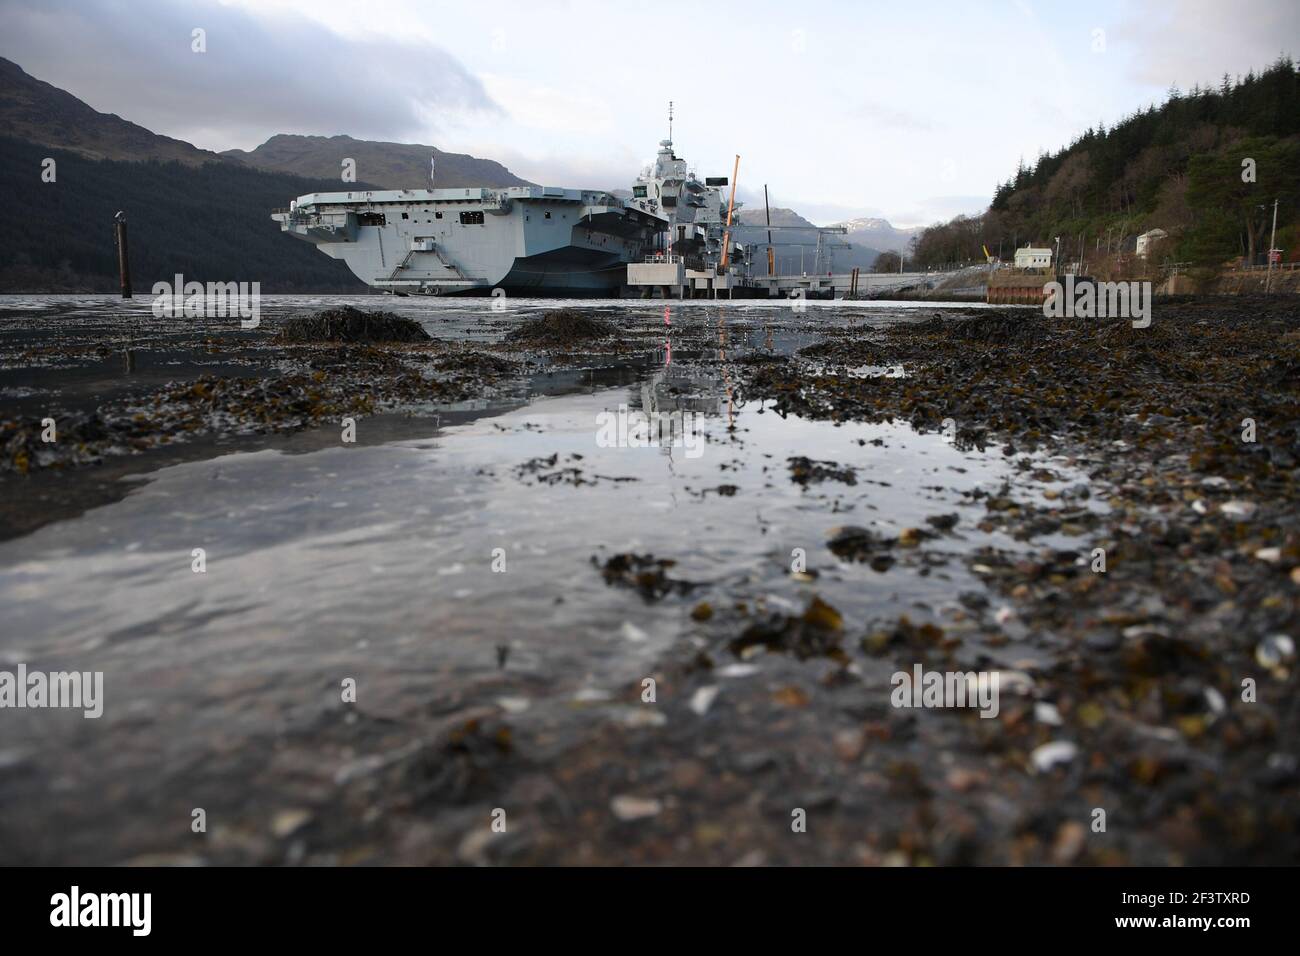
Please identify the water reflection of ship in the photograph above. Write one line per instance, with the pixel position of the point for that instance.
(675, 393)
(678, 388)
(705, 390)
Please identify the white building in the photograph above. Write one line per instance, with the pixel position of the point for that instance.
(1147, 241)
(1031, 258)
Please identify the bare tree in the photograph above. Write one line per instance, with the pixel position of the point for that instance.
(887, 262)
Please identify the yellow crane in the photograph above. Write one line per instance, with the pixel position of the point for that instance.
(731, 206)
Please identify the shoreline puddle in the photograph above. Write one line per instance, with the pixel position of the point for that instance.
(375, 561)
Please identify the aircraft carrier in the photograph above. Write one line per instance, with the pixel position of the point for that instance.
(525, 240)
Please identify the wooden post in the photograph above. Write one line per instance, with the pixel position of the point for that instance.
(123, 259)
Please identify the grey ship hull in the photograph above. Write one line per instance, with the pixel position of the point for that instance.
(568, 272)
(526, 241)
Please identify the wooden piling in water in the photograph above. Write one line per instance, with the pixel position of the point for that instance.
(123, 259)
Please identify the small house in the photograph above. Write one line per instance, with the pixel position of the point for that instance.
(1031, 258)
(1148, 240)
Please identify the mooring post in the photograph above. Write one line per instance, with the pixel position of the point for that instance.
(123, 261)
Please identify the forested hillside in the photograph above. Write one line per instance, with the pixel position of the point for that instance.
(208, 222)
(1178, 167)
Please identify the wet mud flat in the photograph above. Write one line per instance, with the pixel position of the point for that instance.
(129, 392)
(683, 659)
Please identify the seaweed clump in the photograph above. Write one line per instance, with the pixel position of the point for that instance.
(644, 573)
(348, 324)
(561, 327)
(814, 633)
(998, 328)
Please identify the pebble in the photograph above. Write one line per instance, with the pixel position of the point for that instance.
(1047, 756)
(1284, 762)
(737, 670)
(1214, 700)
(1046, 713)
(703, 699)
(627, 807)
(1070, 839)
(963, 780)
(643, 716)
(1015, 681)
(754, 762)
(288, 822)
(631, 632)
(849, 745)
(1136, 632)
(1102, 641)
(473, 847)
(689, 774)
(1275, 652)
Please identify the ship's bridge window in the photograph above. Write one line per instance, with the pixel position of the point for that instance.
(638, 192)
(471, 218)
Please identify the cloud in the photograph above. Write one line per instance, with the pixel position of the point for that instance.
(934, 209)
(261, 74)
(1197, 41)
(886, 117)
(551, 108)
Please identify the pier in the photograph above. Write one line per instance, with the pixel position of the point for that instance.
(673, 277)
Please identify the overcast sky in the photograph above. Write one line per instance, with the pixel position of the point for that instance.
(909, 111)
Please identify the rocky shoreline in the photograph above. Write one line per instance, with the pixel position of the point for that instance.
(1146, 664)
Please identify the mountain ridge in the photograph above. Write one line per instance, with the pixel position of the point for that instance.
(38, 112)
(879, 233)
(384, 164)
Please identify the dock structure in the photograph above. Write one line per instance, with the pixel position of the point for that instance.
(1018, 286)
(676, 277)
